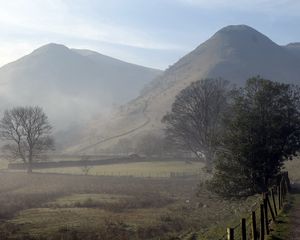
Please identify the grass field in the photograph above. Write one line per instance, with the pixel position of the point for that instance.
(57, 206)
(138, 169)
(74, 206)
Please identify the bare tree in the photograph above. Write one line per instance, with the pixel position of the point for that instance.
(86, 167)
(195, 120)
(27, 131)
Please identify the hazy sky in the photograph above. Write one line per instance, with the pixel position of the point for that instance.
(148, 32)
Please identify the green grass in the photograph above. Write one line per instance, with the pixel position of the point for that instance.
(138, 169)
(282, 227)
(82, 199)
(47, 221)
(48, 204)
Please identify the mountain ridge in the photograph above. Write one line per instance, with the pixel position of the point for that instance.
(71, 88)
(235, 53)
(293, 48)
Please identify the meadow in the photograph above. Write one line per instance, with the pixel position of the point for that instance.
(136, 169)
(127, 203)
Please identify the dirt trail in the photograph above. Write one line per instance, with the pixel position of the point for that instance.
(121, 134)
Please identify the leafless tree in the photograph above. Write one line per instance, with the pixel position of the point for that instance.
(195, 120)
(27, 132)
(86, 167)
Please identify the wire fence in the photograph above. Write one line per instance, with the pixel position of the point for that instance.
(257, 225)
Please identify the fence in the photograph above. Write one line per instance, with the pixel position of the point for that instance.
(263, 213)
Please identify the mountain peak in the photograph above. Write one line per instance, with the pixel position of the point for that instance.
(241, 37)
(51, 47)
(241, 32)
(237, 28)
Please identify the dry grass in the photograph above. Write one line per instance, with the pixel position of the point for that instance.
(58, 206)
(138, 169)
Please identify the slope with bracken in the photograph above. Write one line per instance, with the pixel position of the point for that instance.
(235, 53)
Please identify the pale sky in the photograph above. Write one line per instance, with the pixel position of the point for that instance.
(154, 33)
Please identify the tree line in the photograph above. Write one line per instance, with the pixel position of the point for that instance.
(245, 134)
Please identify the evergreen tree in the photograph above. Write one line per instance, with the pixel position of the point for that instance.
(262, 131)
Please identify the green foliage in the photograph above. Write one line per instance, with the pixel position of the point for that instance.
(262, 131)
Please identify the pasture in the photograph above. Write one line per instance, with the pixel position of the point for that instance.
(64, 206)
(136, 169)
(140, 200)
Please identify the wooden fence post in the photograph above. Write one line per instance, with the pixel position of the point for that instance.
(266, 214)
(262, 222)
(279, 196)
(281, 192)
(274, 202)
(230, 234)
(288, 181)
(244, 230)
(254, 231)
(283, 189)
(270, 207)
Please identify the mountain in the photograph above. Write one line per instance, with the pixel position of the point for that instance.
(71, 85)
(294, 48)
(235, 53)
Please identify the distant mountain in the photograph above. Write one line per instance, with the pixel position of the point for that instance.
(70, 84)
(294, 48)
(235, 53)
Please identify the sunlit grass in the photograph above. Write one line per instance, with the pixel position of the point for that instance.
(85, 203)
(77, 199)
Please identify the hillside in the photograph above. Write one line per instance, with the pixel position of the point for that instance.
(235, 53)
(71, 85)
(294, 48)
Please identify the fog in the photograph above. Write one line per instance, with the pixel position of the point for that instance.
(72, 86)
(98, 148)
